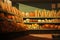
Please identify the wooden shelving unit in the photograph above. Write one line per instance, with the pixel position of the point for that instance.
(9, 13)
(41, 17)
(42, 29)
(41, 22)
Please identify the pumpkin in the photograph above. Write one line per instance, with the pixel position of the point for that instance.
(31, 14)
(9, 16)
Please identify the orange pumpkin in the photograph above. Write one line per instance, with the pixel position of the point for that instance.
(31, 14)
(47, 25)
(9, 16)
(52, 26)
(13, 17)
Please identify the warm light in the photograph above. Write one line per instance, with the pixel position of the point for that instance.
(53, 6)
(58, 5)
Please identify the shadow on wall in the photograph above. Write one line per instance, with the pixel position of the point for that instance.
(33, 6)
(39, 5)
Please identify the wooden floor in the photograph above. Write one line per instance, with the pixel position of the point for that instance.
(35, 37)
(42, 35)
(23, 36)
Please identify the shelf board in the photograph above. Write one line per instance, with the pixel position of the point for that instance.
(10, 13)
(5, 12)
(39, 22)
(40, 17)
(10, 20)
(13, 14)
(17, 21)
(43, 31)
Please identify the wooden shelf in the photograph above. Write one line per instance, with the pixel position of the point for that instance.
(10, 20)
(40, 17)
(43, 28)
(13, 14)
(5, 12)
(9, 13)
(43, 31)
(40, 22)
